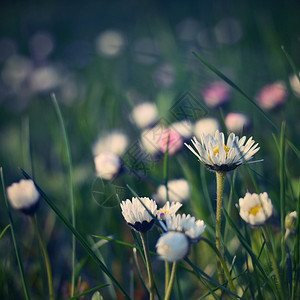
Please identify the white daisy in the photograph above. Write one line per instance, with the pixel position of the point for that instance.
(107, 165)
(178, 191)
(23, 196)
(172, 246)
(188, 225)
(184, 128)
(136, 215)
(255, 209)
(168, 210)
(218, 156)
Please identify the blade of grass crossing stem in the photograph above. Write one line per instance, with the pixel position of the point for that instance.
(96, 288)
(78, 236)
(282, 192)
(296, 251)
(4, 230)
(233, 85)
(245, 244)
(71, 194)
(12, 229)
(291, 62)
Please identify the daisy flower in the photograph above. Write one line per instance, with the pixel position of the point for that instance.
(186, 224)
(168, 210)
(172, 246)
(136, 215)
(24, 196)
(145, 114)
(255, 209)
(220, 157)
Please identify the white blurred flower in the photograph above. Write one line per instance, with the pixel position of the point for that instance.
(168, 210)
(145, 114)
(107, 165)
(272, 95)
(172, 246)
(206, 126)
(23, 196)
(237, 122)
(110, 43)
(295, 85)
(45, 78)
(150, 139)
(16, 69)
(114, 142)
(218, 156)
(186, 224)
(255, 209)
(184, 128)
(136, 215)
(178, 191)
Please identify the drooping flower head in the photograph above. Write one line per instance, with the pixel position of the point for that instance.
(136, 215)
(168, 210)
(23, 196)
(218, 156)
(255, 209)
(291, 221)
(186, 224)
(172, 246)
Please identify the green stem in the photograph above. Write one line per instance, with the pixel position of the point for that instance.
(273, 260)
(171, 282)
(12, 229)
(166, 168)
(46, 257)
(220, 176)
(148, 264)
(72, 200)
(167, 275)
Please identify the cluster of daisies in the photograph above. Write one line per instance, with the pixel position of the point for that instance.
(179, 231)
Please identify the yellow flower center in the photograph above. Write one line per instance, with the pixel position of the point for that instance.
(163, 212)
(254, 210)
(226, 148)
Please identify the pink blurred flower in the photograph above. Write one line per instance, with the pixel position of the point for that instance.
(272, 95)
(216, 94)
(237, 122)
(175, 141)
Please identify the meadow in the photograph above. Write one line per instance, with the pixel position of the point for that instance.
(100, 103)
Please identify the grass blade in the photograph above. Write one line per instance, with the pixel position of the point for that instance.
(233, 85)
(78, 236)
(96, 288)
(4, 230)
(71, 194)
(291, 62)
(12, 229)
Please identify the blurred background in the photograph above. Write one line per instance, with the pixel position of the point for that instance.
(102, 59)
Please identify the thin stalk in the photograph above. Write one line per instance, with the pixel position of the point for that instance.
(220, 176)
(273, 260)
(148, 264)
(282, 193)
(46, 257)
(20, 265)
(167, 275)
(72, 200)
(166, 168)
(171, 282)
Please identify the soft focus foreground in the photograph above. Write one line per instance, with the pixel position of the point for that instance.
(130, 93)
